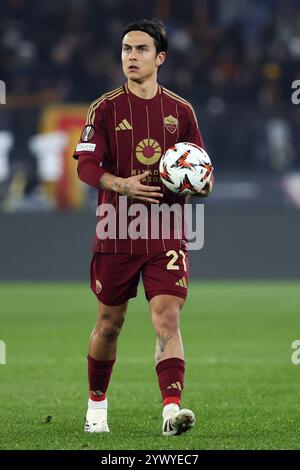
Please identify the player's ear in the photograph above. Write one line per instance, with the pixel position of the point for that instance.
(160, 58)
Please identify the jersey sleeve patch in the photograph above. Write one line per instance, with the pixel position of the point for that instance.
(88, 133)
(85, 147)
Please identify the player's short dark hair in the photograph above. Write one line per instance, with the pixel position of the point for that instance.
(155, 28)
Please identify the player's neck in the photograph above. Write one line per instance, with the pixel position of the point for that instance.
(143, 90)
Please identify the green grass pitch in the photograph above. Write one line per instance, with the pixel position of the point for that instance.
(240, 380)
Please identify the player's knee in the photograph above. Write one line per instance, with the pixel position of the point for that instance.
(109, 330)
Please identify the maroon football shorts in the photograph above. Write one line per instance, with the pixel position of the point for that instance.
(115, 277)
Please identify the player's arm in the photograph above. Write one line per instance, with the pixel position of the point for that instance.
(90, 153)
(192, 134)
(91, 173)
(131, 187)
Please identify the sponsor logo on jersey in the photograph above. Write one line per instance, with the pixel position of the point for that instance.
(148, 151)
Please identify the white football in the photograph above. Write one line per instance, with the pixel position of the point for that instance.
(185, 168)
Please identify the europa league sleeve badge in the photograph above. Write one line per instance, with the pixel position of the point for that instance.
(87, 133)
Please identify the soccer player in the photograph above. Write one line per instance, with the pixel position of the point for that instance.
(127, 130)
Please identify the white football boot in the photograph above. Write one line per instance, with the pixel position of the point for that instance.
(176, 421)
(96, 420)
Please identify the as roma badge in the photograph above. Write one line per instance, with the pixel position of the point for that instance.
(171, 123)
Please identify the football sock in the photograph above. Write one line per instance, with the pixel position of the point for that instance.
(97, 405)
(170, 373)
(99, 373)
(170, 409)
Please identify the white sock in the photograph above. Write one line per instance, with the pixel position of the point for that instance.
(169, 409)
(97, 405)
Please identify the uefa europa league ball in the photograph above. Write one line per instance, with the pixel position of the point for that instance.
(185, 169)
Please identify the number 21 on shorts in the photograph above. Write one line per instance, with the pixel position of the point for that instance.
(173, 255)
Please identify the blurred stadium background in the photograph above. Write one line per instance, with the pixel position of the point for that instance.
(235, 60)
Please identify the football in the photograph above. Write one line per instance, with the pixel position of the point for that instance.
(185, 169)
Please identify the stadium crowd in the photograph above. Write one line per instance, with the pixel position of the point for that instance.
(234, 60)
(238, 50)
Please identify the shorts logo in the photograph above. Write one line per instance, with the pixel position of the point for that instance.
(98, 287)
(171, 123)
(87, 133)
(181, 282)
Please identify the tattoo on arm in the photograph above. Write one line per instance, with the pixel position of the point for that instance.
(126, 189)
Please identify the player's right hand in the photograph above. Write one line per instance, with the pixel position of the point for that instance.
(133, 188)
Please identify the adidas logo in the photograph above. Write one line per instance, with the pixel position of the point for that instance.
(168, 426)
(124, 126)
(97, 393)
(176, 385)
(181, 282)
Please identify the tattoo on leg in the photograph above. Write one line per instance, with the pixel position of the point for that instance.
(163, 339)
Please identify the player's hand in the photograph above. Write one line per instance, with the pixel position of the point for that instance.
(207, 188)
(134, 189)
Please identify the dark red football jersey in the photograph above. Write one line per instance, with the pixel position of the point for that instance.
(127, 135)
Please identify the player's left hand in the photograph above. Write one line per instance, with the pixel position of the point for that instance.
(207, 188)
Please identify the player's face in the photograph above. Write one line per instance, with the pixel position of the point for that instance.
(139, 58)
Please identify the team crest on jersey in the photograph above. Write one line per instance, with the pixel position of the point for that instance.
(87, 133)
(171, 123)
(98, 287)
